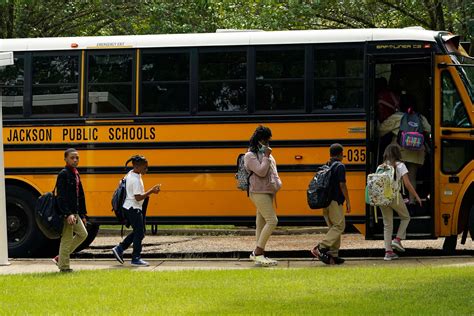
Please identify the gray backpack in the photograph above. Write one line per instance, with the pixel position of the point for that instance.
(242, 176)
(410, 135)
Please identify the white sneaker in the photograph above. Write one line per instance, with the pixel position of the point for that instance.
(261, 261)
(252, 256)
(271, 262)
(397, 245)
(390, 256)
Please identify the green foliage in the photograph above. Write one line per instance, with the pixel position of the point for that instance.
(390, 290)
(42, 18)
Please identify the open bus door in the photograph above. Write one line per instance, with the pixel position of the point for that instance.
(415, 67)
(454, 152)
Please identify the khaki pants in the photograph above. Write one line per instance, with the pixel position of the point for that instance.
(71, 237)
(334, 216)
(398, 206)
(266, 219)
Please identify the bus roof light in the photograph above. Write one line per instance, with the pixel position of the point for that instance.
(74, 45)
(427, 45)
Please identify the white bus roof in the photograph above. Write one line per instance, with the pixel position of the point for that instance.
(234, 38)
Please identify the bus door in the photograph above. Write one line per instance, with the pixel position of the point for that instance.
(454, 154)
(392, 79)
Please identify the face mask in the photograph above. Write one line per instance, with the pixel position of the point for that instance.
(262, 148)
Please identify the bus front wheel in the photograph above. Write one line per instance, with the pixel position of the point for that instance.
(24, 237)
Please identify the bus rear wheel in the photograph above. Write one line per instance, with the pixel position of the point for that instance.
(92, 230)
(24, 237)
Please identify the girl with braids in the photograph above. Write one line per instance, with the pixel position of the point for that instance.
(133, 206)
(264, 182)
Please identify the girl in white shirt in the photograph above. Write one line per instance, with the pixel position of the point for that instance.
(392, 156)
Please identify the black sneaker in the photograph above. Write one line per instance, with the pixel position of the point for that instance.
(67, 270)
(338, 260)
(323, 255)
(118, 254)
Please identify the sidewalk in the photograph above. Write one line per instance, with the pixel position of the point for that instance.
(20, 266)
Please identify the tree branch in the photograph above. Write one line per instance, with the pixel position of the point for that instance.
(405, 12)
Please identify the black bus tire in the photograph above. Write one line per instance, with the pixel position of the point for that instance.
(24, 237)
(92, 230)
(449, 245)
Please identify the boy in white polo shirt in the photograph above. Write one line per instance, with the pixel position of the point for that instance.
(133, 206)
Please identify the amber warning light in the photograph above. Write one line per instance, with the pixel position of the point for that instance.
(74, 45)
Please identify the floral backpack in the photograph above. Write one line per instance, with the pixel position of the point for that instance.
(242, 175)
(382, 186)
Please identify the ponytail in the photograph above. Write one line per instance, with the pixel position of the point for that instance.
(136, 159)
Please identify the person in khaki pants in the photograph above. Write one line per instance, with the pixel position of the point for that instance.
(328, 250)
(264, 183)
(72, 205)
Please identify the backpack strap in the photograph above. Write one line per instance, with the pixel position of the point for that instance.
(248, 182)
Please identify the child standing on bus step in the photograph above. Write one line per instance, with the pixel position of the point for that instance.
(393, 156)
(134, 210)
(72, 205)
(328, 250)
(264, 183)
(413, 159)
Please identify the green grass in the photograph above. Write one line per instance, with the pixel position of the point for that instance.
(347, 291)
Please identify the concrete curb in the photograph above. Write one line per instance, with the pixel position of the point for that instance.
(25, 266)
(215, 232)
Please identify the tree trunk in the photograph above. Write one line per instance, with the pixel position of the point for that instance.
(439, 16)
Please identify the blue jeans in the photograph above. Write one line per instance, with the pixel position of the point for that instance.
(135, 218)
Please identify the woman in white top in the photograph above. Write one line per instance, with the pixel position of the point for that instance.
(133, 206)
(393, 156)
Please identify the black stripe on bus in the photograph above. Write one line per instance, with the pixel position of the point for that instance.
(170, 169)
(183, 145)
(270, 117)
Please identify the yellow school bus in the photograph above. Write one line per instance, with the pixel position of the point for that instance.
(190, 102)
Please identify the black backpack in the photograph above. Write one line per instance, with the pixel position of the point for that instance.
(118, 198)
(319, 189)
(48, 219)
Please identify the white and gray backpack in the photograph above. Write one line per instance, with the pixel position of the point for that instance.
(242, 176)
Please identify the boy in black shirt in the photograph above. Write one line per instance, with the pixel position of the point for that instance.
(328, 250)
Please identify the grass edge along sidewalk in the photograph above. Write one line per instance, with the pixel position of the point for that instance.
(356, 291)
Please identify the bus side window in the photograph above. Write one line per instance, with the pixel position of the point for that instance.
(110, 82)
(222, 81)
(55, 80)
(338, 78)
(165, 82)
(280, 79)
(453, 111)
(11, 85)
